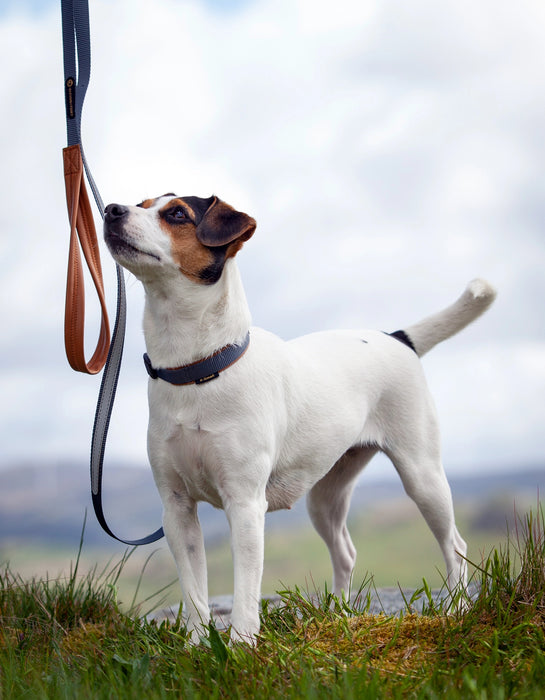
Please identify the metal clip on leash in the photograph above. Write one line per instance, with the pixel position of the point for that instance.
(76, 37)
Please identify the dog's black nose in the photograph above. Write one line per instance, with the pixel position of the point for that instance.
(115, 211)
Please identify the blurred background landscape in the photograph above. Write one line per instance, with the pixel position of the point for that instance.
(42, 510)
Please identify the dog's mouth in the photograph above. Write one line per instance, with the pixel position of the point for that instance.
(119, 245)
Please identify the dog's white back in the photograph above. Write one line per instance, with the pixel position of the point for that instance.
(286, 419)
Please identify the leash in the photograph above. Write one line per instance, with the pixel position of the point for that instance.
(75, 25)
(77, 72)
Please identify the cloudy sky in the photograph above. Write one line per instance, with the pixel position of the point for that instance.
(390, 152)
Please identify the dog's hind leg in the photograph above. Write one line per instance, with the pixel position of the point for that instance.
(425, 482)
(328, 502)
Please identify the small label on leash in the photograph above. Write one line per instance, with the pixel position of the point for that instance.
(70, 97)
(209, 378)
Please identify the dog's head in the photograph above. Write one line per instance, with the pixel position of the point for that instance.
(192, 235)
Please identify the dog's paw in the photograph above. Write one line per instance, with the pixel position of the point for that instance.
(196, 633)
(245, 631)
(196, 636)
(242, 638)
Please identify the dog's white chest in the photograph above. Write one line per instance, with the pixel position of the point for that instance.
(182, 446)
(195, 462)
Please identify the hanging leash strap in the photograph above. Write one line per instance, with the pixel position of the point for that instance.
(77, 72)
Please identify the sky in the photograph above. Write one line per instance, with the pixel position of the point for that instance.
(389, 151)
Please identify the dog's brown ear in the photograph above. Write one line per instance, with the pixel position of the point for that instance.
(221, 224)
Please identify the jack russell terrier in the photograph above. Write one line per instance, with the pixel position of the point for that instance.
(249, 423)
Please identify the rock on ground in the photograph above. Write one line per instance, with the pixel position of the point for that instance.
(390, 601)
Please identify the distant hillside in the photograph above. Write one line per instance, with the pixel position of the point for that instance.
(46, 503)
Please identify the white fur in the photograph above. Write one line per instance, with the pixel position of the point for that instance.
(287, 419)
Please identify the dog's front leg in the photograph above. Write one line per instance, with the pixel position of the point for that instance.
(185, 540)
(247, 522)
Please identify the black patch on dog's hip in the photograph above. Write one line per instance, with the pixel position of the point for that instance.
(403, 338)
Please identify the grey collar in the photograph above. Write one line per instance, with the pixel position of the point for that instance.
(201, 371)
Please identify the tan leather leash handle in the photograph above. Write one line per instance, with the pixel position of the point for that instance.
(82, 228)
(77, 72)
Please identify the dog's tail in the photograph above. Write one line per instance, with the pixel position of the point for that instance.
(426, 334)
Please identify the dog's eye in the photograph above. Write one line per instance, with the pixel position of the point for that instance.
(178, 214)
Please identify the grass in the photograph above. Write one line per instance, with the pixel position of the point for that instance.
(70, 638)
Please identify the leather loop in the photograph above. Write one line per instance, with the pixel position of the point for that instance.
(82, 227)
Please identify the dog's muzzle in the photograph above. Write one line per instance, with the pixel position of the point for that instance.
(115, 218)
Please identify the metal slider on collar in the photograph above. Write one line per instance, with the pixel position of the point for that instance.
(209, 378)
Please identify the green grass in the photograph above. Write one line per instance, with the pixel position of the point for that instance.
(70, 638)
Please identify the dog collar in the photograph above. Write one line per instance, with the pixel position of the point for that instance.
(202, 371)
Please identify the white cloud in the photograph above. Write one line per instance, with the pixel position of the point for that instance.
(389, 151)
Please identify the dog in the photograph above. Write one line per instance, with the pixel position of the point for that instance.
(250, 423)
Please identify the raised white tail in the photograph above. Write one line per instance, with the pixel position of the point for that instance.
(475, 300)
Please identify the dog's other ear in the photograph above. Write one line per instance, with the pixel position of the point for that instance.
(221, 224)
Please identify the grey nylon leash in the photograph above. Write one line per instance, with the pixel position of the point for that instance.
(77, 72)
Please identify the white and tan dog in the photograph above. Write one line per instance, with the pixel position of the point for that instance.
(285, 418)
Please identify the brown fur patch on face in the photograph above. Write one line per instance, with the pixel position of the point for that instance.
(192, 257)
(146, 204)
(181, 203)
(234, 247)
